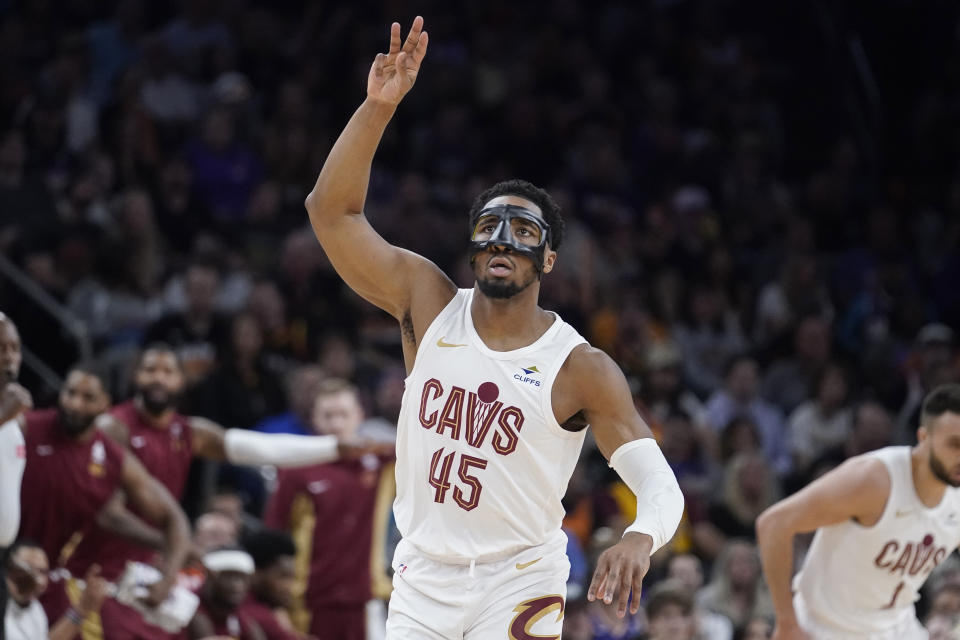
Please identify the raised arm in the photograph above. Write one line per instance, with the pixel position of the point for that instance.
(153, 500)
(393, 279)
(857, 489)
(242, 446)
(592, 384)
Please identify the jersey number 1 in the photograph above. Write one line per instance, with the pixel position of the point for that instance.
(896, 592)
(440, 467)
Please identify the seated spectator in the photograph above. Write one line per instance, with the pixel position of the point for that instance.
(271, 587)
(710, 335)
(670, 613)
(740, 396)
(26, 570)
(739, 437)
(662, 391)
(737, 590)
(302, 386)
(824, 422)
(792, 380)
(687, 570)
(749, 487)
(198, 333)
(946, 601)
(211, 531)
(228, 581)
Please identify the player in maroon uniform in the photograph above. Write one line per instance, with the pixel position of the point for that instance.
(272, 583)
(335, 585)
(219, 614)
(165, 441)
(73, 474)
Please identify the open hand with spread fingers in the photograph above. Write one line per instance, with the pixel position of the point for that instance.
(393, 74)
(620, 570)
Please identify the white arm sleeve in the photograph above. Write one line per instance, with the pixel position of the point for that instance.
(641, 465)
(279, 449)
(12, 462)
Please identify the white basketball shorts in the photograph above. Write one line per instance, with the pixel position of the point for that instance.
(521, 597)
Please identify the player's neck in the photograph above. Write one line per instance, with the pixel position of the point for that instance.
(928, 487)
(511, 323)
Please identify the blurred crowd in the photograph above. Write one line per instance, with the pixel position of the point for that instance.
(773, 267)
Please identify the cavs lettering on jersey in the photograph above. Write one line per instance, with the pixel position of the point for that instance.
(166, 455)
(865, 580)
(481, 462)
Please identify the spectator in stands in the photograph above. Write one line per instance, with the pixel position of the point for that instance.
(872, 429)
(792, 380)
(749, 487)
(740, 396)
(198, 333)
(709, 337)
(211, 531)
(670, 613)
(737, 590)
(824, 422)
(946, 601)
(687, 571)
(303, 383)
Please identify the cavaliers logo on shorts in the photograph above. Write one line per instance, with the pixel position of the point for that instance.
(529, 612)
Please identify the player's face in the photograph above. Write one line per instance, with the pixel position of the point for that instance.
(159, 381)
(501, 272)
(82, 399)
(10, 356)
(278, 580)
(944, 438)
(229, 588)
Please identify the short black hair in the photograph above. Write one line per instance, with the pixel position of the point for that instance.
(533, 193)
(95, 369)
(162, 347)
(267, 545)
(944, 398)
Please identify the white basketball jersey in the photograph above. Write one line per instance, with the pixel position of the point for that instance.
(481, 462)
(864, 580)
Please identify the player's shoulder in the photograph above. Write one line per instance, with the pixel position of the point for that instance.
(866, 475)
(587, 364)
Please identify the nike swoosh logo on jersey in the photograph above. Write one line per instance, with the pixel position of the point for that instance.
(441, 343)
(902, 514)
(521, 567)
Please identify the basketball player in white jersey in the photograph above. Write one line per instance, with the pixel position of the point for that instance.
(498, 394)
(884, 520)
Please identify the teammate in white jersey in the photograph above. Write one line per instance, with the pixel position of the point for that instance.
(883, 521)
(483, 460)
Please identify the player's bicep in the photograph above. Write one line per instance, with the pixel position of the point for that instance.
(607, 401)
(381, 273)
(856, 490)
(207, 439)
